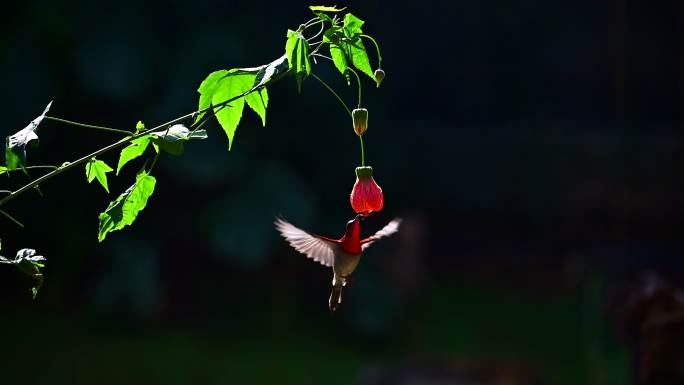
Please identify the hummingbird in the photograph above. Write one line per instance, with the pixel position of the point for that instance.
(342, 254)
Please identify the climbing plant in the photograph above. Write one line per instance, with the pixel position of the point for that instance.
(331, 36)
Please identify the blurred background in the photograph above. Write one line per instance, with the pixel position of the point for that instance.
(533, 148)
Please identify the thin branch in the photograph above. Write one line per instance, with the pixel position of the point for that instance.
(33, 167)
(329, 89)
(318, 34)
(67, 166)
(3, 212)
(377, 48)
(358, 82)
(124, 132)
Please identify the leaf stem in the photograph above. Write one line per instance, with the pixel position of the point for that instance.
(108, 129)
(358, 82)
(329, 89)
(377, 48)
(363, 155)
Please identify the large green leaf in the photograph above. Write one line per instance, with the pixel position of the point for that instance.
(98, 169)
(359, 57)
(229, 116)
(124, 210)
(352, 25)
(15, 145)
(136, 148)
(207, 89)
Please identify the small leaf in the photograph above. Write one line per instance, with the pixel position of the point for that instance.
(15, 149)
(98, 169)
(136, 148)
(140, 126)
(207, 89)
(3, 170)
(231, 86)
(125, 209)
(323, 8)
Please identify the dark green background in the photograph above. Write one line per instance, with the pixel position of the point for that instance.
(534, 150)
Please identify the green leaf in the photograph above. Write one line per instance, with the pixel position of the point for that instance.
(3, 170)
(323, 8)
(136, 148)
(140, 126)
(352, 25)
(15, 145)
(207, 89)
(125, 209)
(359, 57)
(297, 50)
(98, 169)
(258, 101)
(231, 86)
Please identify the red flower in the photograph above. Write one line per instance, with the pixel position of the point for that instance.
(366, 195)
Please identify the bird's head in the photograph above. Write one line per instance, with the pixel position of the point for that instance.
(354, 224)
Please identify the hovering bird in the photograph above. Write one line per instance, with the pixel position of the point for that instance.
(342, 254)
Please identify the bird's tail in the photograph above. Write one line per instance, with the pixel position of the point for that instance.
(335, 298)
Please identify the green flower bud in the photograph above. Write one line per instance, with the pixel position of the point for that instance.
(379, 76)
(360, 120)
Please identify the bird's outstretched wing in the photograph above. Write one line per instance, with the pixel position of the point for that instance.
(314, 247)
(386, 231)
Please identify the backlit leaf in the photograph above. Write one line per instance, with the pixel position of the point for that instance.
(125, 209)
(136, 148)
(229, 87)
(207, 89)
(98, 169)
(15, 145)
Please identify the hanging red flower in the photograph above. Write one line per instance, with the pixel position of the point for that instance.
(366, 195)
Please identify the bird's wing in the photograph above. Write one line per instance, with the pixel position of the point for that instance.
(316, 248)
(386, 231)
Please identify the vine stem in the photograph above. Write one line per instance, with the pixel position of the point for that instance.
(358, 82)
(329, 89)
(33, 167)
(3, 212)
(108, 129)
(113, 146)
(377, 48)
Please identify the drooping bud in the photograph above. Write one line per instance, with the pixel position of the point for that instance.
(360, 120)
(379, 76)
(366, 195)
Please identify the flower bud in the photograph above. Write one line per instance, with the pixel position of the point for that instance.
(360, 120)
(379, 76)
(366, 195)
